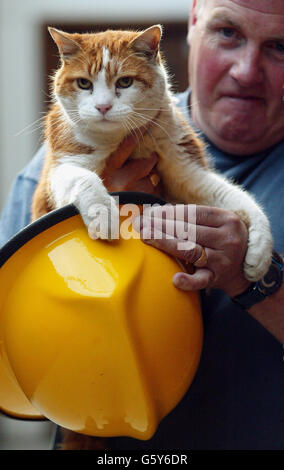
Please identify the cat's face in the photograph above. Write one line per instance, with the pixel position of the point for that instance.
(111, 80)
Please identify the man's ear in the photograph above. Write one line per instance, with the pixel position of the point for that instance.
(147, 43)
(66, 45)
(192, 21)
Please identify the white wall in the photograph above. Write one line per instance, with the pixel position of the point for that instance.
(21, 62)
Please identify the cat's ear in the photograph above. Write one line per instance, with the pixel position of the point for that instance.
(66, 45)
(147, 43)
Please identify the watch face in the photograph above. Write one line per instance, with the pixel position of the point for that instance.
(272, 280)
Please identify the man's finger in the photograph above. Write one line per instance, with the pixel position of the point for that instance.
(141, 166)
(201, 279)
(121, 154)
(211, 216)
(144, 185)
(201, 215)
(205, 236)
(133, 174)
(182, 212)
(184, 250)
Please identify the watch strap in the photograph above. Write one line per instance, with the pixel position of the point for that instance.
(260, 290)
(249, 297)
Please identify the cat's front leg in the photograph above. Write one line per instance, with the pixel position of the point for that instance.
(195, 184)
(73, 184)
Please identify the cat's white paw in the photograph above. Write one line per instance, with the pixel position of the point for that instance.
(103, 220)
(259, 253)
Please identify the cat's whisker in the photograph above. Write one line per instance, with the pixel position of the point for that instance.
(140, 132)
(148, 117)
(138, 122)
(125, 126)
(37, 122)
(157, 124)
(166, 109)
(134, 129)
(26, 133)
(46, 94)
(153, 121)
(149, 133)
(141, 100)
(154, 109)
(131, 130)
(192, 105)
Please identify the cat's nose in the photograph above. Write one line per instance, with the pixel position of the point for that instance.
(103, 108)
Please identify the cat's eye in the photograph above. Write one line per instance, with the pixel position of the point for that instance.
(124, 82)
(84, 84)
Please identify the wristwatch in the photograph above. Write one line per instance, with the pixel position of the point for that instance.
(268, 285)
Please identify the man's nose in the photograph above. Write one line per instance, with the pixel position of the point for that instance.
(247, 69)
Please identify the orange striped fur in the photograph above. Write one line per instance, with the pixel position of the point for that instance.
(82, 56)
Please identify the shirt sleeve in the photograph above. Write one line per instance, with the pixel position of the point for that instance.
(17, 210)
(16, 213)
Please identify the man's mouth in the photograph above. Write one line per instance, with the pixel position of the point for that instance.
(247, 97)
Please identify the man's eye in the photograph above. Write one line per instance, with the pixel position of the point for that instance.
(227, 32)
(277, 46)
(124, 82)
(84, 84)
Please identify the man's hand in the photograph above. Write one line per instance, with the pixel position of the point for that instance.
(122, 174)
(223, 235)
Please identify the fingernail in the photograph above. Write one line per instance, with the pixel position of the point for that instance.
(180, 281)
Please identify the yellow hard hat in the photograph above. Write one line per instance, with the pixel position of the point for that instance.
(94, 336)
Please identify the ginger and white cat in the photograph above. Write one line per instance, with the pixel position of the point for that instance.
(110, 84)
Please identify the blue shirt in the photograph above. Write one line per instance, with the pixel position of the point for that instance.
(17, 210)
(236, 400)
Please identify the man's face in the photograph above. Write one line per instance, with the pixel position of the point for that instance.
(236, 70)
